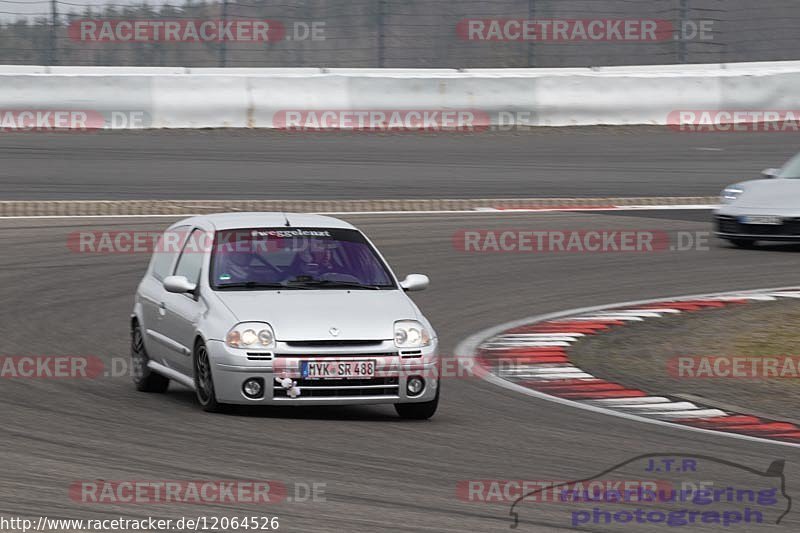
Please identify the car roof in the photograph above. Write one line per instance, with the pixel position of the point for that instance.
(224, 221)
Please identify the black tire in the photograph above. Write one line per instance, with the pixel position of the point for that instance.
(743, 243)
(204, 381)
(418, 411)
(143, 377)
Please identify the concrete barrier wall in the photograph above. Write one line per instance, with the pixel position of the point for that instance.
(252, 98)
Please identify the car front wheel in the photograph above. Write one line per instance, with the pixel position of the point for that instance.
(204, 381)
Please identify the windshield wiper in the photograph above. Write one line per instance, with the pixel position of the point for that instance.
(331, 284)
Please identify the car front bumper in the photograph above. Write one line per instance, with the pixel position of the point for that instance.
(232, 367)
(728, 225)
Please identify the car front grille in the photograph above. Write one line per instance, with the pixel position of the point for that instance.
(338, 355)
(333, 344)
(342, 388)
(731, 225)
(258, 356)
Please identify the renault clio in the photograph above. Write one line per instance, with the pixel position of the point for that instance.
(281, 309)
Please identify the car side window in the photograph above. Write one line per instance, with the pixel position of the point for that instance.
(190, 263)
(166, 250)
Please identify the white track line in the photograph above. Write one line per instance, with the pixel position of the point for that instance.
(476, 211)
(657, 310)
(543, 370)
(625, 402)
(638, 312)
(786, 294)
(554, 377)
(590, 208)
(543, 336)
(695, 413)
(758, 298)
(531, 340)
(598, 318)
(666, 406)
(539, 344)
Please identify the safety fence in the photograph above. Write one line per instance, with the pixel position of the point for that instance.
(396, 33)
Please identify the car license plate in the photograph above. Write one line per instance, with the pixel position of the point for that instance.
(337, 369)
(767, 220)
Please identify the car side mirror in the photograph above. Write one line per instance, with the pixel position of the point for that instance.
(770, 173)
(178, 284)
(415, 282)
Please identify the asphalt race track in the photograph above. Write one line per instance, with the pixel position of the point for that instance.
(560, 162)
(381, 474)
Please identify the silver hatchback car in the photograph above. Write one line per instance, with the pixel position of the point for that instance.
(281, 309)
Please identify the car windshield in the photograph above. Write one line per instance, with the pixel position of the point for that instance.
(297, 259)
(791, 170)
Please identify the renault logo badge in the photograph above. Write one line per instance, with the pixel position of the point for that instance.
(334, 332)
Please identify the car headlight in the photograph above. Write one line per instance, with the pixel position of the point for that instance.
(730, 194)
(410, 334)
(251, 335)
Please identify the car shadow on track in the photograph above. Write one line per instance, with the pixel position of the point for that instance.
(787, 247)
(373, 413)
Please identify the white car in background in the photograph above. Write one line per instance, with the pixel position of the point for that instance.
(281, 309)
(762, 210)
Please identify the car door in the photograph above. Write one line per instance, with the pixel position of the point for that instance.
(182, 311)
(151, 291)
